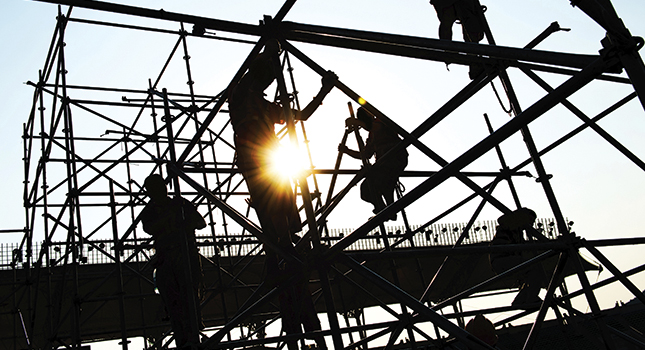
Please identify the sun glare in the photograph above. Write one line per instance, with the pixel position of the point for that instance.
(288, 161)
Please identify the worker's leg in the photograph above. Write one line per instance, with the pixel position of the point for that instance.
(447, 18)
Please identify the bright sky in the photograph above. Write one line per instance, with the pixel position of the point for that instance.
(597, 187)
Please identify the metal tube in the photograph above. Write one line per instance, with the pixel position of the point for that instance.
(72, 187)
(398, 43)
(556, 279)
(505, 168)
(119, 275)
(591, 299)
(208, 23)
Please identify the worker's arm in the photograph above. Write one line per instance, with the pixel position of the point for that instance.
(328, 82)
(350, 152)
(351, 123)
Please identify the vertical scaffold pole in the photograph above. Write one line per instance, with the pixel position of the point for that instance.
(119, 277)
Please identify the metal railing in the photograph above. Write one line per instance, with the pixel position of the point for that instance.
(102, 251)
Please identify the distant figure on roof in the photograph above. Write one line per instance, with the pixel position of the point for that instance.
(382, 181)
(510, 231)
(172, 223)
(468, 13)
(253, 119)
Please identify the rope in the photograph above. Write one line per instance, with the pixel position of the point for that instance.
(500, 100)
(399, 187)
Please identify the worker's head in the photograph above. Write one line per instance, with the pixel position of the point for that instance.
(363, 115)
(261, 72)
(155, 187)
(517, 220)
(482, 328)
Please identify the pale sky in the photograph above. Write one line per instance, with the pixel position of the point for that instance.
(598, 188)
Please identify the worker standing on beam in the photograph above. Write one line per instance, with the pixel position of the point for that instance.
(469, 14)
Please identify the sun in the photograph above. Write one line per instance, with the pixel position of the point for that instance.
(288, 160)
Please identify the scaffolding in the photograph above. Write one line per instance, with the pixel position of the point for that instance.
(83, 195)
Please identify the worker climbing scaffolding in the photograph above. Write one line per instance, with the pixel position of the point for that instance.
(253, 119)
(381, 183)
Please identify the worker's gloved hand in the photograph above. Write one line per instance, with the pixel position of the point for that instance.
(297, 115)
(352, 123)
(274, 112)
(329, 79)
(342, 148)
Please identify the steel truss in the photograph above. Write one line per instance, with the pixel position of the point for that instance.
(81, 185)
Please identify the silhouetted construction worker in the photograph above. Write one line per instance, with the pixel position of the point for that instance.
(253, 119)
(483, 329)
(382, 181)
(468, 13)
(172, 223)
(510, 231)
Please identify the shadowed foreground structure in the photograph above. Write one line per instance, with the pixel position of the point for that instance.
(82, 191)
(234, 280)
